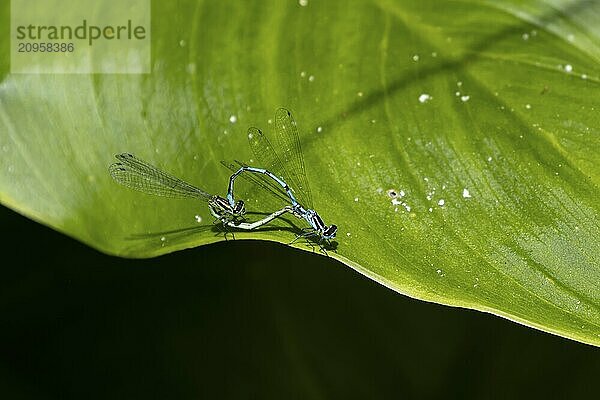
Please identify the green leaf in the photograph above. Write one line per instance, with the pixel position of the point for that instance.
(479, 115)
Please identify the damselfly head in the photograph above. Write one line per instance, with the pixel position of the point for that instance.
(239, 208)
(326, 232)
(329, 232)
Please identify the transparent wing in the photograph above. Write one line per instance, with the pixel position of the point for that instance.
(260, 180)
(269, 158)
(136, 174)
(287, 142)
(264, 152)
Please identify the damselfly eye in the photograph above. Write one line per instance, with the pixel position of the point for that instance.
(239, 207)
(330, 232)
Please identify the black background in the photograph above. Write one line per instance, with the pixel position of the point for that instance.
(250, 320)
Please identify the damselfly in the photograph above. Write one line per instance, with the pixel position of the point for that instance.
(136, 174)
(287, 165)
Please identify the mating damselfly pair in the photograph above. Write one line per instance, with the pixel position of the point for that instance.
(281, 173)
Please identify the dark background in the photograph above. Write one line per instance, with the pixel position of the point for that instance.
(250, 320)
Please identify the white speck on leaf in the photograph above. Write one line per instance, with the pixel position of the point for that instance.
(423, 98)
